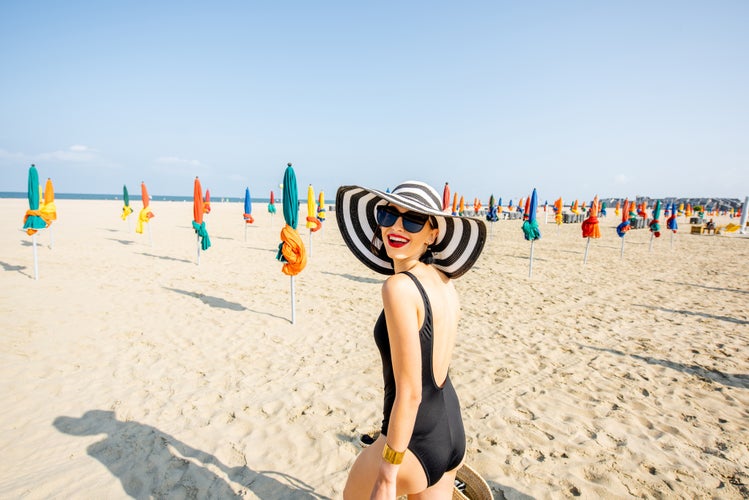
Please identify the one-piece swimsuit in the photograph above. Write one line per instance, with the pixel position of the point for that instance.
(438, 440)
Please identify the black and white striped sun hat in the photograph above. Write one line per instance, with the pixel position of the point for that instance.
(455, 250)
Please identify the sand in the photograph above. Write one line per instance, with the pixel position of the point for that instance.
(129, 370)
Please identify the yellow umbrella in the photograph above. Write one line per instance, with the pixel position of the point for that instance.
(312, 223)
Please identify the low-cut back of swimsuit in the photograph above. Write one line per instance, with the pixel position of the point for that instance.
(438, 438)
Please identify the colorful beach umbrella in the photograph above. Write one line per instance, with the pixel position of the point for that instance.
(312, 223)
(207, 202)
(624, 226)
(455, 204)
(491, 215)
(590, 227)
(530, 226)
(558, 216)
(126, 209)
(198, 224)
(248, 219)
(33, 221)
(272, 204)
(655, 226)
(672, 224)
(445, 197)
(321, 207)
(291, 250)
(462, 206)
(247, 215)
(145, 214)
(49, 209)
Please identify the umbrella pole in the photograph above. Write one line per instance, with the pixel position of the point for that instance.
(309, 254)
(621, 254)
(293, 305)
(150, 238)
(652, 237)
(587, 246)
(245, 231)
(530, 269)
(36, 265)
(672, 239)
(197, 238)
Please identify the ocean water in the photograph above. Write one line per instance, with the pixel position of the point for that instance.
(136, 197)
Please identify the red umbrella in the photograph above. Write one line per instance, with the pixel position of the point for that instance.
(446, 197)
(590, 227)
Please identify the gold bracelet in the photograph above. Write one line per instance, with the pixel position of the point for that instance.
(392, 456)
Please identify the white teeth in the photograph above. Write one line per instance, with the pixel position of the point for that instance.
(399, 239)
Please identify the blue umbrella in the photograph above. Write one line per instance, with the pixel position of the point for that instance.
(247, 211)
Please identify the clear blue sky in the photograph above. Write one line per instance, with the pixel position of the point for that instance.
(576, 98)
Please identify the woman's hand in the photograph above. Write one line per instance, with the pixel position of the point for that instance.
(384, 487)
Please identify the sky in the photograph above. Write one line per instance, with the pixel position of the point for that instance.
(574, 98)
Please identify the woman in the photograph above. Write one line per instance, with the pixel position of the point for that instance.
(405, 234)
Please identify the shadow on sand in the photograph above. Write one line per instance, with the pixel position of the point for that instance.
(152, 464)
(710, 375)
(351, 277)
(210, 300)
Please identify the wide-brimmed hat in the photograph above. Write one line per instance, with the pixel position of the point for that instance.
(455, 250)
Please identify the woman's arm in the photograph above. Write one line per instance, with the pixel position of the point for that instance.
(402, 304)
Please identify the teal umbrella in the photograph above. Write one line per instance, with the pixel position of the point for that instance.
(33, 221)
(126, 210)
(655, 226)
(530, 226)
(291, 250)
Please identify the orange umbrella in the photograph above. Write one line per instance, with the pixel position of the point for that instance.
(207, 203)
(574, 209)
(445, 197)
(145, 214)
(617, 210)
(462, 206)
(558, 207)
(476, 205)
(198, 209)
(455, 204)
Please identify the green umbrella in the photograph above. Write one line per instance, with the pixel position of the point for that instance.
(655, 227)
(33, 220)
(126, 210)
(291, 250)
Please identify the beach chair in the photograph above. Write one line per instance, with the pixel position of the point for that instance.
(697, 229)
(728, 228)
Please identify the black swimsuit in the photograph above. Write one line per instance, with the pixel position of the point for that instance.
(438, 438)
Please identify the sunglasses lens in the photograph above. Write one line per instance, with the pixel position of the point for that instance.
(386, 217)
(412, 222)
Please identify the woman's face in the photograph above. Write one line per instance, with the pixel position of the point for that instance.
(400, 243)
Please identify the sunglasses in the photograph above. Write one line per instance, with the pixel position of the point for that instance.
(413, 222)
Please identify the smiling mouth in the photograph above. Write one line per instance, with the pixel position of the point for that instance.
(397, 241)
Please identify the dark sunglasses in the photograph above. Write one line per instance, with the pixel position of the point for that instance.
(413, 222)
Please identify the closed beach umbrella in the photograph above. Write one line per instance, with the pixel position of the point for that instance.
(126, 209)
(48, 209)
(672, 224)
(530, 226)
(446, 197)
(590, 227)
(455, 204)
(655, 226)
(321, 207)
(574, 208)
(198, 209)
(499, 205)
(272, 204)
(33, 220)
(312, 223)
(207, 202)
(624, 226)
(558, 208)
(491, 215)
(248, 219)
(291, 250)
(145, 214)
(462, 206)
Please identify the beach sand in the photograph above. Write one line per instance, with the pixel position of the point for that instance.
(128, 370)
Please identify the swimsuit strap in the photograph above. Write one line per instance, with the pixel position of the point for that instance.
(424, 297)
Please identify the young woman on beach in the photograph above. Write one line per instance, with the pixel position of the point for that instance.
(405, 234)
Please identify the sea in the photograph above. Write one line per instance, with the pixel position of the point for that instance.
(86, 196)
